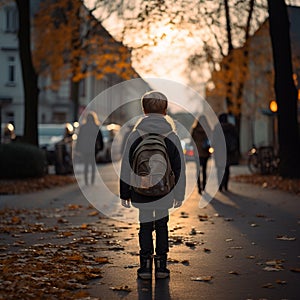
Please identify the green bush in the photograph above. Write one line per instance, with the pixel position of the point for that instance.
(20, 160)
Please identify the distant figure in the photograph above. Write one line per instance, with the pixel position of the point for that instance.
(231, 140)
(200, 132)
(89, 141)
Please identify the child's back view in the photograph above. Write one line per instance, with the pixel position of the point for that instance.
(153, 196)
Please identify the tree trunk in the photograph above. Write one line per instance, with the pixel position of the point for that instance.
(286, 93)
(76, 44)
(30, 78)
(75, 99)
(244, 70)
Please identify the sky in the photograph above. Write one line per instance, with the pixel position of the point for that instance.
(169, 45)
(168, 50)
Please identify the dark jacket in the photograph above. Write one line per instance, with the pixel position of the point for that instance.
(161, 125)
(231, 140)
(89, 139)
(199, 137)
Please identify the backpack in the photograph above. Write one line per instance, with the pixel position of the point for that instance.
(205, 144)
(152, 173)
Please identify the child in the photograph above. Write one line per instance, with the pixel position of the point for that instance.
(153, 210)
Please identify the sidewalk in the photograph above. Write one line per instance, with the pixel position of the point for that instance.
(243, 245)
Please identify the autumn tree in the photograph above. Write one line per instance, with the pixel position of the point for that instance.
(71, 44)
(29, 75)
(230, 24)
(286, 93)
(220, 26)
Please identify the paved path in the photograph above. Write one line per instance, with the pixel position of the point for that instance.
(246, 243)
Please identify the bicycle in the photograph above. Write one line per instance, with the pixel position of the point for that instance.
(262, 160)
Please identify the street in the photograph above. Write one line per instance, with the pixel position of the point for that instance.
(243, 245)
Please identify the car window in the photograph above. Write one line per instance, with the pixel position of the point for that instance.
(50, 131)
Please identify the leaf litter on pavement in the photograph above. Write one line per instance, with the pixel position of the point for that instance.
(43, 255)
(65, 267)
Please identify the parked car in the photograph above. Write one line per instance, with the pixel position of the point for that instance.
(111, 136)
(188, 149)
(56, 140)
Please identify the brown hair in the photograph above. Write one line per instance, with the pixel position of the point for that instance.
(154, 102)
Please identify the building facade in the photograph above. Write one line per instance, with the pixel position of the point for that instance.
(55, 105)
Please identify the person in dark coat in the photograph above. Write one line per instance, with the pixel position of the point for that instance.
(153, 211)
(231, 140)
(89, 140)
(200, 132)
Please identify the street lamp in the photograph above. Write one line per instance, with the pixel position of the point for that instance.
(273, 106)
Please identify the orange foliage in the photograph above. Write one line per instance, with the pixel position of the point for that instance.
(70, 43)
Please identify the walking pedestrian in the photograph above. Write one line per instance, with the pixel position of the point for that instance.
(200, 133)
(155, 195)
(87, 144)
(231, 140)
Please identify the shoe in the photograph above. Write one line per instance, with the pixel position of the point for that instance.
(145, 270)
(161, 270)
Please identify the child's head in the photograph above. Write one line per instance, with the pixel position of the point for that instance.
(154, 102)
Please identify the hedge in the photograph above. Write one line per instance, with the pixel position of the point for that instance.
(21, 160)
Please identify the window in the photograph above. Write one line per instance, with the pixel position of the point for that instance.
(59, 117)
(11, 78)
(11, 23)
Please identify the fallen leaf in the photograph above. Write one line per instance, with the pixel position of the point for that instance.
(202, 278)
(184, 215)
(268, 286)
(81, 295)
(203, 218)
(123, 288)
(190, 244)
(193, 231)
(74, 206)
(75, 257)
(234, 273)
(296, 270)
(67, 233)
(131, 266)
(285, 238)
(101, 260)
(278, 281)
(272, 269)
(260, 216)
(185, 262)
(16, 220)
(275, 262)
(93, 213)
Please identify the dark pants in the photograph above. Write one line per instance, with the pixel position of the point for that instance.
(89, 161)
(223, 182)
(203, 165)
(159, 223)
